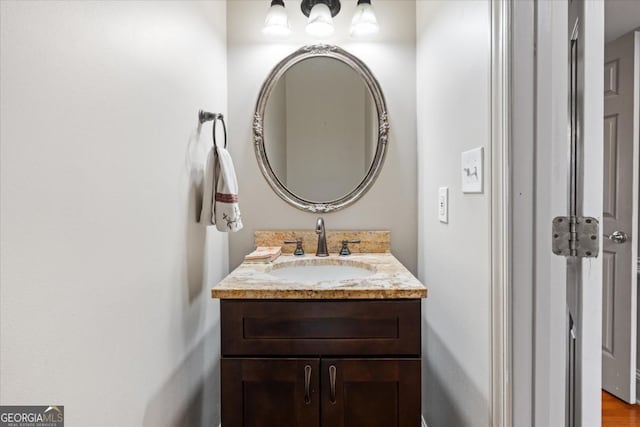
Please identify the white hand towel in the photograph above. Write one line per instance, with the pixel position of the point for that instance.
(206, 214)
(220, 204)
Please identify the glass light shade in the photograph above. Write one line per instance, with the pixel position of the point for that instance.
(276, 23)
(364, 22)
(320, 22)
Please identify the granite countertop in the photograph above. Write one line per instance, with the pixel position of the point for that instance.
(390, 280)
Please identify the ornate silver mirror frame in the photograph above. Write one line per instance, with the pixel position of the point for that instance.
(372, 84)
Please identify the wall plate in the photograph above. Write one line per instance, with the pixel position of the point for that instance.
(443, 204)
(472, 170)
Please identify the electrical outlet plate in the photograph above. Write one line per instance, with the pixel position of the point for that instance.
(472, 170)
(443, 204)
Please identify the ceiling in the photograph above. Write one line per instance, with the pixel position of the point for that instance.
(620, 17)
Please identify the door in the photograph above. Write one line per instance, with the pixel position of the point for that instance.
(620, 214)
(576, 85)
(567, 35)
(371, 392)
(270, 392)
(585, 179)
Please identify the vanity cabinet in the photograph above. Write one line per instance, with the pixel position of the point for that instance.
(312, 363)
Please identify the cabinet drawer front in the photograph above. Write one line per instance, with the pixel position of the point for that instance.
(334, 327)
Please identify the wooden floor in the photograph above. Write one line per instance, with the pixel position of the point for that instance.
(616, 413)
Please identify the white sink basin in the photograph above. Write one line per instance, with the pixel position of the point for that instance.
(315, 270)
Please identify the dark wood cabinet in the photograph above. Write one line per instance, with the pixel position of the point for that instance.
(370, 392)
(331, 363)
(270, 392)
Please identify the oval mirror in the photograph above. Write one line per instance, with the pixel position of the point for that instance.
(320, 128)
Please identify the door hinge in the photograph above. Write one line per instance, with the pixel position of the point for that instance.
(576, 236)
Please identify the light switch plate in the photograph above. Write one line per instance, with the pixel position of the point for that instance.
(472, 170)
(443, 204)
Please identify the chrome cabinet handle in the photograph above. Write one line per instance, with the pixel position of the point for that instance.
(332, 383)
(307, 384)
(617, 236)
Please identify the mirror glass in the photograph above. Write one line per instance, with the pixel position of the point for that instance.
(320, 129)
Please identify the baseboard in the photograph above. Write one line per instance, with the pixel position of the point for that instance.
(638, 386)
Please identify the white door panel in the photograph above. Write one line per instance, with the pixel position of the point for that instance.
(620, 212)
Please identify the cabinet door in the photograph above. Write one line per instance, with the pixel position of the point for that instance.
(270, 392)
(370, 392)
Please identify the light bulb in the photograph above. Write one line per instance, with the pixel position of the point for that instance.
(276, 23)
(320, 22)
(364, 22)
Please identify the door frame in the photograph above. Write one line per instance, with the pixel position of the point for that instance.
(501, 342)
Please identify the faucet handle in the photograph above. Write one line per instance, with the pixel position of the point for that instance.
(345, 247)
(298, 242)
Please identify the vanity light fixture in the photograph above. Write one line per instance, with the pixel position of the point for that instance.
(276, 23)
(320, 14)
(364, 22)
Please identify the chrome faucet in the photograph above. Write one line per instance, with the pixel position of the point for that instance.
(322, 238)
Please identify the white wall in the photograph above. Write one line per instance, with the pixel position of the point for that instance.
(453, 110)
(104, 274)
(391, 202)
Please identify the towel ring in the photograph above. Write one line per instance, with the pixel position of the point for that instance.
(224, 127)
(205, 116)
